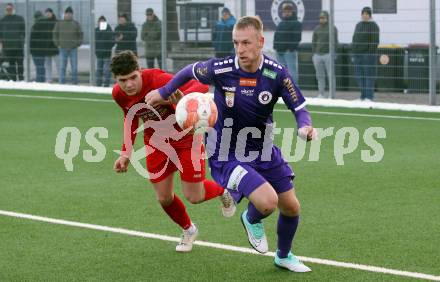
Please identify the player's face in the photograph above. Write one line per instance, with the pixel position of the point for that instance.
(130, 83)
(248, 44)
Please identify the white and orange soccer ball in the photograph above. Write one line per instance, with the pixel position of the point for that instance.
(196, 110)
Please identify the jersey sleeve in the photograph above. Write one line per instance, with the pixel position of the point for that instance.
(294, 100)
(201, 71)
(290, 93)
(126, 150)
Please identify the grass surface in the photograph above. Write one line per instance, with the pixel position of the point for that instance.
(384, 214)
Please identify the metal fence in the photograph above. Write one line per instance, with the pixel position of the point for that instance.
(404, 69)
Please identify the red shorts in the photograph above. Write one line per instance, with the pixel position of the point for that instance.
(192, 164)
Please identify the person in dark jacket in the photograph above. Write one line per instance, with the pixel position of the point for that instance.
(104, 42)
(12, 35)
(151, 35)
(125, 35)
(364, 49)
(50, 49)
(222, 35)
(321, 52)
(37, 46)
(68, 36)
(286, 39)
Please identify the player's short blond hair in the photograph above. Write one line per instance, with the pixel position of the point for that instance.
(250, 21)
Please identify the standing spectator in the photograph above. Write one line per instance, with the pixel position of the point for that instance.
(151, 35)
(222, 35)
(12, 35)
(50, 49)
(125, 35)
(321, 51)
(286, 39)
(364, 47)
(104, 42)
(68, 36)
(37, 45)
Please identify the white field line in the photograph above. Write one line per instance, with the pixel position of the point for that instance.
(276, 110)
(56, 98)
(218, 246)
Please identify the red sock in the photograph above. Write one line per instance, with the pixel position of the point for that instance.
(212, 189)
(177, 211)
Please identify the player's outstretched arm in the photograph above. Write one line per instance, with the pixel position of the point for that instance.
(183, 76)
(305, 128)
(121, 164)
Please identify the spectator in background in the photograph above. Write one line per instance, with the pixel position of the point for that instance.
(321, 52)
(68, 36)
(104, 42)
(50, 49)
(286, 39)
(222, 35)
(364, 48)
(12, 36)
(125, 35)
(37, 45)
(151, 35)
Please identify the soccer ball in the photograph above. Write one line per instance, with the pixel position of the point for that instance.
(196, 110)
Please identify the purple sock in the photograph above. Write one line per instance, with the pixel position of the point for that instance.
(286, 231)
(253, 215)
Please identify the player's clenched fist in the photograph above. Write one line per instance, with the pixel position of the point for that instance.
(153, 98)
(308, 133)
(121, 164)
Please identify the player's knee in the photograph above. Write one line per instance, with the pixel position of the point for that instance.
(194, 199)
(292, 209)
(165, 200)
(269, 205)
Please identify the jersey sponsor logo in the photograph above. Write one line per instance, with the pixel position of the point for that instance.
(247, 92)
(270, 74)
(265, 97)
(229, 96)
(289, 85)
(252, 82)
(229, 88)
(147, 114)
(202, 71)
(236, 176)
(223, 70)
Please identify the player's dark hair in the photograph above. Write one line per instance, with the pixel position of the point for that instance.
(124, 63)
(250, 21)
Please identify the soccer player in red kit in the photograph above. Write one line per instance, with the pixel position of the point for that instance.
(132, 84)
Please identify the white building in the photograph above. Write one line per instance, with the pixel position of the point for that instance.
(408, 24)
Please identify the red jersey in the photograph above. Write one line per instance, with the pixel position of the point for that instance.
(153, 79)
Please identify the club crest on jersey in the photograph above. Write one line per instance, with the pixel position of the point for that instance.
(250, 82)
(229, 96)
(202, 71)
(265, 97)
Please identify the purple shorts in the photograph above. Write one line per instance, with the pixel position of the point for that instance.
(242, 178)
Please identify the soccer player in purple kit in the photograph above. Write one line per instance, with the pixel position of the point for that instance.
(247, 86)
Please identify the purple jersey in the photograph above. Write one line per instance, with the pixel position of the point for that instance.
(244, 101)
